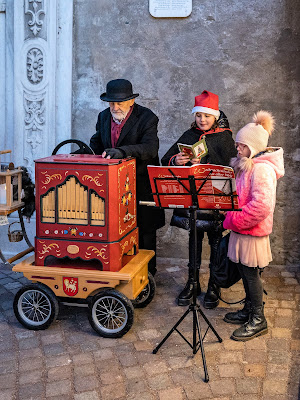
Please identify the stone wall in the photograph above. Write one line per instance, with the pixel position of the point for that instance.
(245, 51)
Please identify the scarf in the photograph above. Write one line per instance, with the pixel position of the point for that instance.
(116, 128)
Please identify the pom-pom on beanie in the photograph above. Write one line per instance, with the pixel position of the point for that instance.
(208, 103)
(256, 134)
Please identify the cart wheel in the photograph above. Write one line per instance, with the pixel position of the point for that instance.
(35, 306)
(111, 313)
(146, 295)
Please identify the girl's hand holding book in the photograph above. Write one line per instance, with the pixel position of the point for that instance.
(181, 159)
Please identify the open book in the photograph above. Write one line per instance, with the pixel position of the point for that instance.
(215, 185)
(196, 150)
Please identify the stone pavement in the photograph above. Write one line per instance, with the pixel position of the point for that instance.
(70, 361)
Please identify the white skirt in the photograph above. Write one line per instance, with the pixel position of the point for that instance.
(252, 251)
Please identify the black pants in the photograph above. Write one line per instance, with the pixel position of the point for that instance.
(147, 240)
(214, 238)
(252, 284)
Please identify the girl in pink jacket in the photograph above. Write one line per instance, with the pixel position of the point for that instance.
(257, 168)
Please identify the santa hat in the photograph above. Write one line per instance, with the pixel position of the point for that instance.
(208, 103)
(256, 134)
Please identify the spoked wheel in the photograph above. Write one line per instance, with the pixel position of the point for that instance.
(146, 295)
(111, 313)
(35, 306)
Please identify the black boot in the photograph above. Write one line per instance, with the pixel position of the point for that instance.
(256, 326)
(239, 317)
(211, 298)
(186, 295)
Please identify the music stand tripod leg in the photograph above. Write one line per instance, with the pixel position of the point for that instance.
(206, 378)
(171, 331)
(210, 325)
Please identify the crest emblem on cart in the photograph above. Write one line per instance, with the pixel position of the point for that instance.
(70, 285)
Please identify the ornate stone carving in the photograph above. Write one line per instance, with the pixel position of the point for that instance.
(34, 107)
(35, 8)
(35, 65)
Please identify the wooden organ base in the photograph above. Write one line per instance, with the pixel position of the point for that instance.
(103, 256)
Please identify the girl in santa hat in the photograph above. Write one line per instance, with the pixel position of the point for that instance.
(211, 125)
(257, 168)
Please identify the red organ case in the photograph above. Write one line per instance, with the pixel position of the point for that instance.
(85, 211)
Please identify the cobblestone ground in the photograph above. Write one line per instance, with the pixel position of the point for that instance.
(70, 361)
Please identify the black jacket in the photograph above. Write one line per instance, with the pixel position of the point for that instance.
(138, 139)
(221, 148)
(220, 145)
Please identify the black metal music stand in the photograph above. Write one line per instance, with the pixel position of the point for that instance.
(194, 307)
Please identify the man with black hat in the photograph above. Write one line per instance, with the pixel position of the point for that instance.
(126, 129)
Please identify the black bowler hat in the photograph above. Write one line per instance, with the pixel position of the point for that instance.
(118, 90)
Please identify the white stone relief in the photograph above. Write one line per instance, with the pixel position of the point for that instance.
(45, 25)
(42, 77)
(36, 9)
(34, 107)
(35, 65)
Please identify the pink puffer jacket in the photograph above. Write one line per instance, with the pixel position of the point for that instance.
(256, 181)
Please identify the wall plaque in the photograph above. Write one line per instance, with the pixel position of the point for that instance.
(170, 8)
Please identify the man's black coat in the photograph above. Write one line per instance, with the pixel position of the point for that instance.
(138, 139)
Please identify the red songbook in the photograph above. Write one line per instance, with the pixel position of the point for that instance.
(215, 186)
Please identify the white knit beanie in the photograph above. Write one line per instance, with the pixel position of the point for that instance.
(256, 134)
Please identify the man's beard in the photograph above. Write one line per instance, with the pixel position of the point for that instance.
(119, 115)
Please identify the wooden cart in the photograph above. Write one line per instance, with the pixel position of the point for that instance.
(86, 244)
(110, 296)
